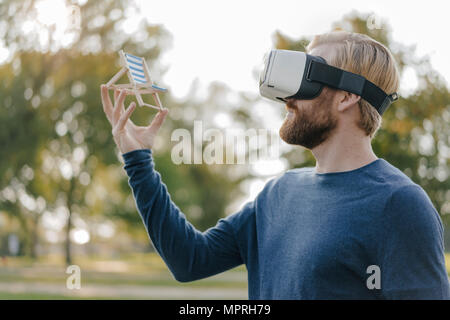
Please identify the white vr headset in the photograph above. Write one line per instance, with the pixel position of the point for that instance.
(298, 75)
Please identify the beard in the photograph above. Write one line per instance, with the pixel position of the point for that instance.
(311, 124)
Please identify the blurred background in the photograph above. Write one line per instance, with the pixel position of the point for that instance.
(64, 196)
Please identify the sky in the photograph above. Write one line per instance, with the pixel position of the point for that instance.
(226, 41)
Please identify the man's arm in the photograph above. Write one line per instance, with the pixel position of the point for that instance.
(413, 264)
(189, 254)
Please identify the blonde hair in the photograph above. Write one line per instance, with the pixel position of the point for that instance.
(359, 53)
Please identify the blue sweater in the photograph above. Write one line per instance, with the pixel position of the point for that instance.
(307, 235)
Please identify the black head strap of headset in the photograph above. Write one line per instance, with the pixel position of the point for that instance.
(351, 82)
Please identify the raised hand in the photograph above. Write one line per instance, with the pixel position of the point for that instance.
(126, 134)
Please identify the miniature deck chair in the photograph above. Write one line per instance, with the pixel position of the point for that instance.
(140, 81)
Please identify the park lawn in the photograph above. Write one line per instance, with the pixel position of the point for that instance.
(91, 278)
(40, 296)
(447, 262)
(136, 263)
(137, 270)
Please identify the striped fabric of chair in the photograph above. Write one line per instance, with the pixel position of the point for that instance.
(140, 80)
(136, 67)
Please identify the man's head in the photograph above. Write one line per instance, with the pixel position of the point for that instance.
(311, 122)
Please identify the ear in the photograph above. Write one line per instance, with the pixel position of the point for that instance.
(346, 100)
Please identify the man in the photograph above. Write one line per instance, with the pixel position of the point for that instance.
(353, 227)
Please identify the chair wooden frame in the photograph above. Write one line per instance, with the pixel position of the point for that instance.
(140, 81)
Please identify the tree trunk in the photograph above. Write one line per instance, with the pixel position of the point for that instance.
(34, 235)
(69, 222)
(24, 235)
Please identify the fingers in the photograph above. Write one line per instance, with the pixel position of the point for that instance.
(158, 120)
(106, 102)
(116, 94)
(124, 117)
(118, 107)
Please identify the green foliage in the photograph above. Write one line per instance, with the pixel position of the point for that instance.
(51, 116)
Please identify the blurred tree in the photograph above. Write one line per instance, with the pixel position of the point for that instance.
(60, 159)
(58, 156)
(415, 130)
(50, 90)
(53, 94)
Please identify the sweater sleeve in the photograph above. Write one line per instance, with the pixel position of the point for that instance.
(413, 264)
(188, 253)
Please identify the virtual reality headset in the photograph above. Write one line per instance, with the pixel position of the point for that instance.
(298, 75)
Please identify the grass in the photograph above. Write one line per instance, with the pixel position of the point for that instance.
(121, 273)
(138, 270)
(447, 263)
(141, 270)
(40, 296)
(113, 279)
